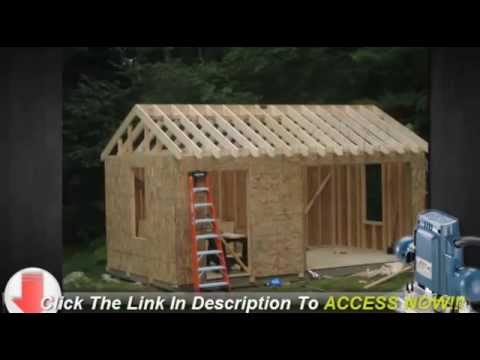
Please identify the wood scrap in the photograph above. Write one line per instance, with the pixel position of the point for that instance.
(235, 255)
(386, 278)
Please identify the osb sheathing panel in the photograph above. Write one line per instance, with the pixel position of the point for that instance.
(152, 256)
(274, 214)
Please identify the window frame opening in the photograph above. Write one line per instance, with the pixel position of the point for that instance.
(139, 201)
(373, 193)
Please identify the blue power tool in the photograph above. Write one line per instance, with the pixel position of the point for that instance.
(445, 262)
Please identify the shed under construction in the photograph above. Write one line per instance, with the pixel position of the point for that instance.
(287, 177)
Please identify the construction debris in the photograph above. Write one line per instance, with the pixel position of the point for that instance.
(388, 277)
(74, 277)
(313, 274)
(384, 270)
(109, 278)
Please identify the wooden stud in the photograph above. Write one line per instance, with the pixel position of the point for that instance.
(359, 217)
(384, 206)
(119, 147)
(317, 193)
(320, 211)
(338, 201)
(363, 204)
(134, 135)
(400, 194)
(349, 205)
(334, 205)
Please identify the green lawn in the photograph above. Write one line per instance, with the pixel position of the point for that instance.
(338, 284)
(91, 260)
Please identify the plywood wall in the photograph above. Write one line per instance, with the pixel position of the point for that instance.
(274, 201)
(276, 219)
(153, 255)
(338, 216)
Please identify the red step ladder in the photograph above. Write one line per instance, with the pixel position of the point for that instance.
(205, 230)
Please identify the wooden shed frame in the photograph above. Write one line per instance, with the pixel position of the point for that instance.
(296, 174)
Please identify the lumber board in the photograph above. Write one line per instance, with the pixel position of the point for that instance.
(215, 133)
(314, 129)
(350, 127)
(149, 123)
(337, 132)
(303, 135)
(317, 193)
(381, 128)
(267, 132)
(118, 133)
(207, 143)
(295, 143)
(388, 277)
(248, 131)
(187, 142)
(233, 132)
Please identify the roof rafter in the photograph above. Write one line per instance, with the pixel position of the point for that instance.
(265, 131)
(202, 130)
(313, 144)
(338, 135)
(149, 123)
(207, 143)
(229, 146)
(370, 139)
(416, 143)
(316, 131)
(380, 130)
(257, 139)
(233, 132)
(295, 143)
(120, 131)
(174, 129)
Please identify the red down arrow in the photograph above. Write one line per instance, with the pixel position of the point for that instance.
(32, 293)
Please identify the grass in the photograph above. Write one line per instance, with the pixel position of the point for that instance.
(337, 284)
(92, 259)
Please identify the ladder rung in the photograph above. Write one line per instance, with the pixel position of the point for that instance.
(200, 205)
(208, 252)
(210, 268)
(200, 189)
(204, 221)
(206, 236)
(213, 284)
